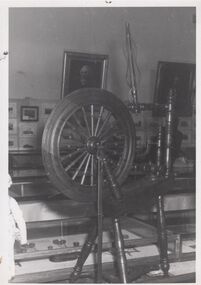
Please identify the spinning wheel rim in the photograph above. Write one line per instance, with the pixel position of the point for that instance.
(74, 104)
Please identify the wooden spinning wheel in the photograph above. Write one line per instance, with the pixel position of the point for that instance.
(83, 123)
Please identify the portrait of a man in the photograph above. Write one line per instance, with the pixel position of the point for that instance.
(83, 71)
(85, 74)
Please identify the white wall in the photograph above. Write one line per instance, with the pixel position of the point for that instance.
(39, 36)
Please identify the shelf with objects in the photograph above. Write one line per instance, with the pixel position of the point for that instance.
(55, 245)
(27, 118)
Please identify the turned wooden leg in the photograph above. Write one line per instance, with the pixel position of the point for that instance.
(86, 249)
(162, 235)
(120, 252)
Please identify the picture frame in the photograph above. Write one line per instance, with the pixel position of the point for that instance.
(83, 70)
(167, 74)
(29, 113)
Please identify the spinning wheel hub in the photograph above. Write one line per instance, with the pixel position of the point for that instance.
(93, 144)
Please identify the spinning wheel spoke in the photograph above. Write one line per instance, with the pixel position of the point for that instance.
(92, 120)
(109, 133)
(75, 130)
(74, 161)
(85, 170)
(86, 121)
(80, 166)
(80, 127)
(104, 123)
(69, 147)
(66, 157)
(99, 119)
(68, 138)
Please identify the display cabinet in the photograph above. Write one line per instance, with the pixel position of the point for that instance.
(28, 175)
(24, 164)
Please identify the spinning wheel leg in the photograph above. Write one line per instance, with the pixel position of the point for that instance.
(84, 254)
(119, 242)
(119, 246)
(162, 235)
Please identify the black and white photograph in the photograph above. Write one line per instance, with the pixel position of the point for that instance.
(29, 113)
(100, 164)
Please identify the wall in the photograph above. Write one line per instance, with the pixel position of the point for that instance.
(39, 36)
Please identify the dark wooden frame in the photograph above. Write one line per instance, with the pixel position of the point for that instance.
(72, 64)
(184, 73)
(25, 118)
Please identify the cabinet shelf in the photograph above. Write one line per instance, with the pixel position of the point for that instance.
(28, 175)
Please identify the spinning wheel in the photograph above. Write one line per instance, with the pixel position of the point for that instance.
(83, 123)
(88, 148)
(91, 128)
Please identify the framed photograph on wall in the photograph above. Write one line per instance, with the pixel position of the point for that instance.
(29, 113)
(83, 70)
(180, 75)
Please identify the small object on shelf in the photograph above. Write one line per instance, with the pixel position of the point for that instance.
(59, 242)
(76, 244)
(29, 113)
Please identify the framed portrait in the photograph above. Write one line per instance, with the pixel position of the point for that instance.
(83, 70)
(29, 113)
(180, 75)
